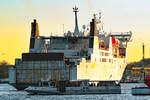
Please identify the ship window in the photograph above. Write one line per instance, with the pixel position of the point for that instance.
(106, 54)
(102, 53)
(110, 60)
(103, 59)
(115, 50)
(122, 51)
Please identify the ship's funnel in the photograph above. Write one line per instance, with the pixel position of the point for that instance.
(93, 32)
(34, 29)
(93, 27)
(34, 34)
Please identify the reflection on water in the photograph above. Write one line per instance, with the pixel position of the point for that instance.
(7, 92)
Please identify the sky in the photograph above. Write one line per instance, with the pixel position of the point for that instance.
(118, 16)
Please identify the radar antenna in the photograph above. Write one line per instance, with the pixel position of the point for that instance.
(101, 22)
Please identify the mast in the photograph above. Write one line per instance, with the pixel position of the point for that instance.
(76, 30)
(143, 62)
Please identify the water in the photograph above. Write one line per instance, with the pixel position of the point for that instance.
(8, 92)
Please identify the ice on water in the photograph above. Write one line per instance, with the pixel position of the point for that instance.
(6, 87)
(8, 92)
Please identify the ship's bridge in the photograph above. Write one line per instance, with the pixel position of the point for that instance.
(122, 36)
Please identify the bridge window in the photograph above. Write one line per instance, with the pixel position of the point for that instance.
(102, 53)
(106, 54)
(103, 59)
(110, 60)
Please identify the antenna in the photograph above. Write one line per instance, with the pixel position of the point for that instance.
(90, 8)
(101, 24)
(75, 9)
(63, 29)
(100, 16)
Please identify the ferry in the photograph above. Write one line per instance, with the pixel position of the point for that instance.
(91, 54)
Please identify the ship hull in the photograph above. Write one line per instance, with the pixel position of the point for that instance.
(101, 70)
(90, 90)
(22, 86)
(141, 91)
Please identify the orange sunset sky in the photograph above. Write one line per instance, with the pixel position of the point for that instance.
(118, 16)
